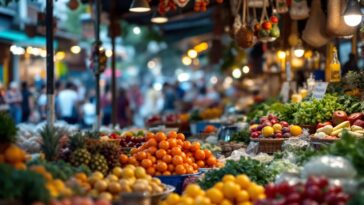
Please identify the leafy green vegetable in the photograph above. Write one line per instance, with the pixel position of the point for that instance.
(26, 186)
(7, 129)
(255, 170)
(262, 109)
(241, 136)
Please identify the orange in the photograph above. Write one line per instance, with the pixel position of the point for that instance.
(160, 153)
(172, 142)
(190, 170)
(170, 167)
(153, 159)
(167, 158)
(14, 154)
(195, 166)
(207, 153)
(243, 181)
(173, 198)
(166, 173)
(255, 191)
(20, 166)
(180, 169)
(210, 128)
(133, 150)
(133, 161)
(230, 189)
(151, 171)
(146, 163)
(201, 164)
(188, 160)
(176, 151)
(162, 166)
(179, 142)
(149, 135)
(215, 195)
(195, 146)
(172, 134)
(123, 159)
(152, 150)
(160, 136)
(181, 136)
(158, 173)
(163, 145)
(141, 155)
(152, 143)
(186, 145)
(211, 161)
(242, 196)
(200, 155)
(177, 160)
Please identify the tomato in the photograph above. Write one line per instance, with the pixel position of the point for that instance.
(323, 124)
(267, 25)
(274, 19)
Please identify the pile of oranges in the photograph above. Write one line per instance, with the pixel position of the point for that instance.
(169, 154)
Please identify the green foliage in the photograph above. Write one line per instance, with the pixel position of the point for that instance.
(355, 79)
(241, 136)
(77, 141)
(255, 170)
(50, 142)
(351, 104)
(60, 169)
(22, 185)
(7, 129)
(262, 109)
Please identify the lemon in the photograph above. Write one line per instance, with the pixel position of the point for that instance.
(112, 177)
(117, 171)
(228, 177)
(230, 189)
(215, 195)
(173, 198)
(246, 203)
(193, 190)
(242, 196)
(226, 202)
(202, 200)
(140, 172)
(98, 175)
(243, 181)
(59, 185)
(219, 186)
(186, 200)
(295, 130)
(255, 191)
(128, 173)
(267, 131)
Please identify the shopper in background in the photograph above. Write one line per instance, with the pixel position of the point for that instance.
(169, 98)
(68, 104)
(26, 103)
(14, 99)
(124, 112)
(42, 103)
(88, 111)
(351, 64)
(4, 107)
(106, 106)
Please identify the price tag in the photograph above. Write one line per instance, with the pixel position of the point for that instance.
(285, 92)
(319, 90)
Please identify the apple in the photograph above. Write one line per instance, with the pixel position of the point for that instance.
(263, 119)
(359, 123)
(284, 123)
(339, 117)
(267, 123)
(285, 129)
(278, 135)
(260, 127)
(274, 121)
(355, 116)
(255, 134)
(322, 124)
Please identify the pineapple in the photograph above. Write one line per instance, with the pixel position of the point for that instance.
(99, 163)
(79, 154)
(7, 130)
(50, 142)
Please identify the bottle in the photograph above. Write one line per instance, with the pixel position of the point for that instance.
(335, 68)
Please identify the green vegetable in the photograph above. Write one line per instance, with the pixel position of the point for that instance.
(241, 136)
(26, 186)
(255, 170)
(7, 129)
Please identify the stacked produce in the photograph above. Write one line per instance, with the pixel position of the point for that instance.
(130, 140)
(316, 190)
(271, 127)
(231, 190)
(169, 154)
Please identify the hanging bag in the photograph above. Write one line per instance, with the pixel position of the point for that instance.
(299, 10)
(245, 36)
(336, 26)
(314, 33)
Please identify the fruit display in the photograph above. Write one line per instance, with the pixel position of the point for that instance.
(209, 129)
(330, 132)
(211, 113)
(271, 127)
(230, 190)
(316, 190)
(121, 180)
(131, 140)
(169, 154)
(78, 200)
(14, 156)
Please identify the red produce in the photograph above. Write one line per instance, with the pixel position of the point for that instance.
(274, 19)
(339, 117)
(284, 124)
(255, 134)
(359, 123)
(355, 116)
(322, 124)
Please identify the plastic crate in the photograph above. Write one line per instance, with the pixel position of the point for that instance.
(198, 127)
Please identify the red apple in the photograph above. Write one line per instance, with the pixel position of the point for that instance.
(260, 127)
(255, 134)
(267, 123)
(274, 121)
(339, 117)
(322, 124)
(263, 119)
(284, 123)
(270, 117)
(355, 116)
(278, 135)
(359, 122)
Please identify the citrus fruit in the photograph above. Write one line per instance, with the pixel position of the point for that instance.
(173, 198)
(14, 154)
(295, 130)
(243, 181)
(277, 127)
(193, 190)
(242, 196)
(267, 131)
(255, 190)
(215, 195)
(140, 172)
(228, 177)
(226, 202)
(202, 200)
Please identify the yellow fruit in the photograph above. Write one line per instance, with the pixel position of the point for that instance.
(267, 131)
(98, 175)
(81, 176)
(186, 200)
(261, 196)
(117, 171)
(14, 154)
(202, 200)
(253, 126)
(101, 185)
(243, 181)
(112, 178)
(140, 172)
(58, 184)
(255, 190)
(215, 195)
(193, 190)
(219, 186)
(125, 185)
(295, 130)
(246, 203)
(230, 190)
(131, 167)
(277, 127)
(114, 187)
(242, 196)
(226, 202)
(173, 198)
(128, 173)
(105, 195)
(228, 177)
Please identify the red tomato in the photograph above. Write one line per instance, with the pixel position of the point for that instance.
(274, 19)
(267, 25)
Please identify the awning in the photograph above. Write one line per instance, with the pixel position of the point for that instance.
(21, 39)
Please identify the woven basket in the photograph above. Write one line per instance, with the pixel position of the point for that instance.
(311, 128)
(269, 146)
(318, 143)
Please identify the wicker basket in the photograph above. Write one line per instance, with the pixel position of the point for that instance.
(311, 128)
(268, 145)
(318, 143)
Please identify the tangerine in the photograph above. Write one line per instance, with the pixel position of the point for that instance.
(208, 153)
(211, 161)
(151, 170)
(163, 145)
(152, 150)
(195, 146)
(133, 150)
(167, 158)
(133, 161)
(162, 166)
(177, 160)
(201, 164)
(123, 159)
(170, 168)
(153, 159)
(176, 151)
(186, 145)
(152, 143)
(181, 136)
(172, 134)
(149, 135)
(166, 173)
(160, 136)
(172, 142)
(180, 169)
(160, 153)
(141, 155)
(146, 163)
(200, 155)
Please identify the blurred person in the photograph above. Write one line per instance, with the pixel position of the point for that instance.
(350, 65)
(106, 105)
(26, 103)
(169, 98)
(14, 99)
(136, 101)
(124, 112)
(42, 103)
(152, 103)
(68, 104)
(4, 107)
(89, 111)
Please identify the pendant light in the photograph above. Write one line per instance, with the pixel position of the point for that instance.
(299, 51)
(352, 14)
(139, 6)
(158, 18)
